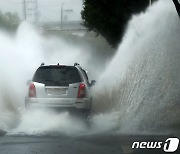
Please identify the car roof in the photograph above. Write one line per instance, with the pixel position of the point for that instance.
(58, 64)
(76, 65)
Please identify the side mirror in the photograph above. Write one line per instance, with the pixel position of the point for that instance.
(93, 82)
(28, 82)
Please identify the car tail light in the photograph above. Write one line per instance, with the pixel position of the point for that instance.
(82, 91)
(32, 90)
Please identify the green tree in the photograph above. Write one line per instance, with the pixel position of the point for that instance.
(177, 5)
(109, 17)
(9, 21)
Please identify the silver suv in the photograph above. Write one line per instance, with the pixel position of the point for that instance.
(60, 86)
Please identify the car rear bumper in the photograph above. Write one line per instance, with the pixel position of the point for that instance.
(61, 103)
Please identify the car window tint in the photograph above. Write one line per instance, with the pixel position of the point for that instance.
(57, 75)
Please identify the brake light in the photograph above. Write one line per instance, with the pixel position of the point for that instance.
(32, 90)
(82, 91)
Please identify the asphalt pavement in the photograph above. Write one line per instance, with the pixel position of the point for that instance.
(88, 144)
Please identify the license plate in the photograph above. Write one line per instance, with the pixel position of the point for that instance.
(65, 101)
(56, 91)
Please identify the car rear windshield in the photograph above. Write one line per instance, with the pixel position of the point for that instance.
(57, 75)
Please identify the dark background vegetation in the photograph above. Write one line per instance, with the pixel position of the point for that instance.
(9, 21)
(109, 17)
(177, 5)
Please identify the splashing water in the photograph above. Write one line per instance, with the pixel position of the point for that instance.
(20, 57)
(139, 90)
(143, 78)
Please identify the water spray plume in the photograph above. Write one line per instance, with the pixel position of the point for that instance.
(142, 81)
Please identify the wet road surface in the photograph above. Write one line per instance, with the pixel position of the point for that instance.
(92, 144)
